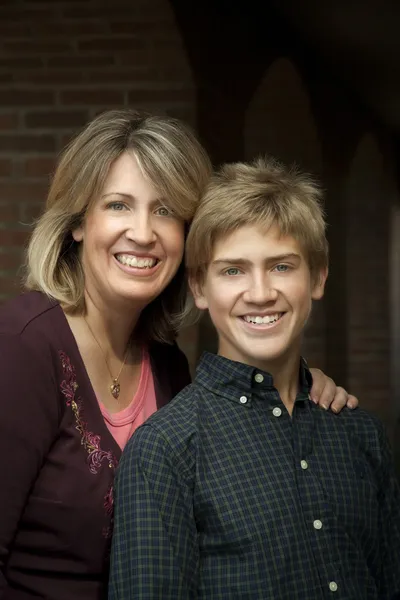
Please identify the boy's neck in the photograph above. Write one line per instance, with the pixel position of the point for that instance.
(286, 379)
(285, 374)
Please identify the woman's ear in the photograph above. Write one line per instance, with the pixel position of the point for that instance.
(77, 233)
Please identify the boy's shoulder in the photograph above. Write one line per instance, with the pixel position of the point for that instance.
(182, 409)
(360, 426)
(172, 430)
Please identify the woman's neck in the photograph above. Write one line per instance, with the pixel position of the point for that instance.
(111, 326)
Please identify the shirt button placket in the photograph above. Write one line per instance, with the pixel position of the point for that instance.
(317, 524)
(243, 399)
(277, 411)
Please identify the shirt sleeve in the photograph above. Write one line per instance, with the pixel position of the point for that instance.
(155, 548)
(28, 424)
(390, 522)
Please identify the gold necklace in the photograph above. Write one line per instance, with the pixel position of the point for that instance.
(115, 386)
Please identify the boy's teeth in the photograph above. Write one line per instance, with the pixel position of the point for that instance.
(134, 261)
(264, 320)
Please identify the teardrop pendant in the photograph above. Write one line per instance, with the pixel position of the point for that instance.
(115, 388)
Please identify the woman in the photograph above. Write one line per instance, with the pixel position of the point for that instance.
(88, 354)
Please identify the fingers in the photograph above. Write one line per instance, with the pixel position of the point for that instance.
(319, 380)
(331, 393)
(352, 401)
(325, 393)
(340, 399)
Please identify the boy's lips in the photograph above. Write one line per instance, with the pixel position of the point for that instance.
(262, 318)
(260, 322)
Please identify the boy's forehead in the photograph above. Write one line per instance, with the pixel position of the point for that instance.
(251, 241)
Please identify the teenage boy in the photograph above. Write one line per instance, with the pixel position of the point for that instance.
(242, 488)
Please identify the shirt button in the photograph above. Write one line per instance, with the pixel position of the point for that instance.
(259, 378)
(277, 411)
(317, 524)
(243, 399)
(304, 464)
(333, 586)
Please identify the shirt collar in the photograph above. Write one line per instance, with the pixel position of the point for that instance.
(239, 382)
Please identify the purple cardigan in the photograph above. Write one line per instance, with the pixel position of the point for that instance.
(58, 458)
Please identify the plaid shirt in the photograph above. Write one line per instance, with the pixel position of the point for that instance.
(221, 495)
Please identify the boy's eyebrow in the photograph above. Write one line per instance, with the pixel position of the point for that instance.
(243, 261)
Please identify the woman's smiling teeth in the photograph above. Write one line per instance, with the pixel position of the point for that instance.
(135, 261)
(267, 319)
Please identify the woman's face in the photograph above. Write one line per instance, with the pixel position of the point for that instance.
(132, 242)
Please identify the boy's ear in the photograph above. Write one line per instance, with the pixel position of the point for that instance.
(198, 293)
(319, 284)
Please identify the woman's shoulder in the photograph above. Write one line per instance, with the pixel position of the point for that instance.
(25, 312)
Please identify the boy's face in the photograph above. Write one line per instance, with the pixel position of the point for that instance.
(258, 291)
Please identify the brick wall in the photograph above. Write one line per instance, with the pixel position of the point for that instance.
(60, 64)
(279, 122)
(368, 285)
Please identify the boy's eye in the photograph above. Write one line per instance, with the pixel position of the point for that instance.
(282, 268)
(232, 271)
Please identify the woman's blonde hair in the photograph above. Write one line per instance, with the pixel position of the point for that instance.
(171, 158)
(260, 193)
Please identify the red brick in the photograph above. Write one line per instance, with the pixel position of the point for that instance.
(108, 12)
(56, 119)
(99, 96)
(162, 96)
(6, 167)
(71, 28)
(117, 75)
(9, 260)
(82, 61)
(39, 166)
(111, 44)
(25, 97)
(32, 211)
(11, 285)
(8, 121)
(13, 237)
(22, 13)
(23, 191)
(9, 213)
(41, 46)
(139, 56)
(27, 143)
(50, 76)
(8, 29)
(23, 62)
(6, 77)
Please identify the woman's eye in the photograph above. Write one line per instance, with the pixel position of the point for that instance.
(118, 206)
(163, 211)
(232, 271)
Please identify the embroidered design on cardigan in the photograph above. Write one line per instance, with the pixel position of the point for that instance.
(90, 441)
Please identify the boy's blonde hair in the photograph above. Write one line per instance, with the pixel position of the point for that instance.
(260, 193)
(175, 163)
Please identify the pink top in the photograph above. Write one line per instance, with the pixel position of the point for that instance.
(122, 424)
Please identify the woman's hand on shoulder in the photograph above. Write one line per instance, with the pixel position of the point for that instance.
(327, 394)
